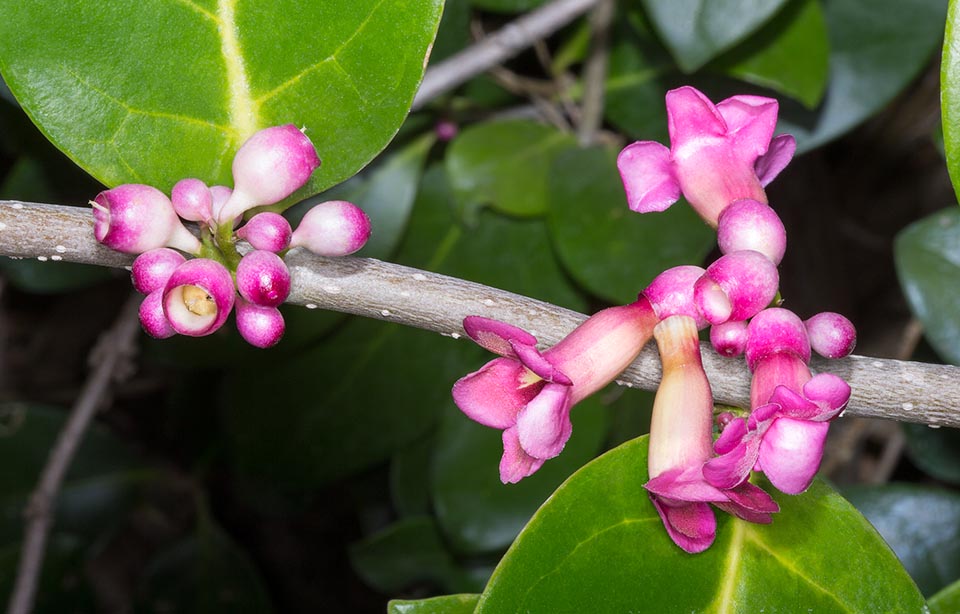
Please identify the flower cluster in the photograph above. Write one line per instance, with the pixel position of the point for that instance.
(721, 158)
(195, 296)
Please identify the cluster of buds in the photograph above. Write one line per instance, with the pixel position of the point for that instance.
(194, 296)
(721, 158)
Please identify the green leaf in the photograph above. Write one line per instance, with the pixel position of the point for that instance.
(935, 451)
(343, 406)
(611, 250)
(946, 601)
(877, 47)
(927, 256)
(98, 489)
(454, 32)
(154, 92)
(921, 524)
(406, 552)
(790, 55)
(950, 93)
(599, 546)
(206, 573)
(696, 31)
(507, 6)
(448, 604)
(476, 511)
(505, 164)
(634, 91)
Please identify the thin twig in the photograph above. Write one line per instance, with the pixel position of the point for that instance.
(114, 347)
(595, 72)
(498, 47)
(882, 388)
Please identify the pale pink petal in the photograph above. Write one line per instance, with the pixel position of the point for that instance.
(692, 526)
(647, 173)
(544, 426)
(515, 464)
(778, 156)
(791, 451)
(691, 117)
(493, 395)
(495, 336)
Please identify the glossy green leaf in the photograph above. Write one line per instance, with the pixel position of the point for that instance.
(153, 92)
(206, 573)
(921, 524)
(599, 546)
(448, 604)
(343, 406)
(507, 6)
(927, 256)
(476, 511)
(407, 552)
(696, 31)
(935, 451)
(454, 32)
(608, 248)
(950, 93)
(877, 47)
(634, 91)
(505, 164)
(789, 55)
(946, 601)
(99, 487)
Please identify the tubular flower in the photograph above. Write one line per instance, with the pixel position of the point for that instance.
(529, 394)
(135, 218)
(785, 432)
(198, 297)
(680, 444)
(719, 154)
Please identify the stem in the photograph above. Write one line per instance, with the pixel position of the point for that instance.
(882, 388)
(498, 47)
(595, 72)
(116, 345)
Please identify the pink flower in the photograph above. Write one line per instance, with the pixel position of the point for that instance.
(263, 278)
(719, 154)
(192, 200)
(332, 228)
(831, 334)
(259, 325)
(736, 287)
(270, 166)
(135, 218)
(786, 430)
(529, 394)
(680, 444)
(198, 297)
(268, 231)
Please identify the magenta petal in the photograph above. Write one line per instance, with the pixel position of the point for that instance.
(731, 436)
(684, 485)
(515, 464)
(793, 405)
(647, 173)
(778, 155)
(751, 497)
(495, 336)
(732, 468)
(692, 526)
(543, 426)
(691, 117)
(828, 391)
(493, 395)
(751, 121)
(542, 368)
(790, 453)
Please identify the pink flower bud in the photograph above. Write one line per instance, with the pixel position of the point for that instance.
(736, 287)
(192, 200)
(260, 326)
(671, 293)
(152, 317)
(748, 224)
(445, 130)
(152, 269)
(263, 278)
(332, 228)
(268, 231)
(198, 297)
(831, 334)
(730, 338)
(776, 330)
(134, 218)
(270, 166)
